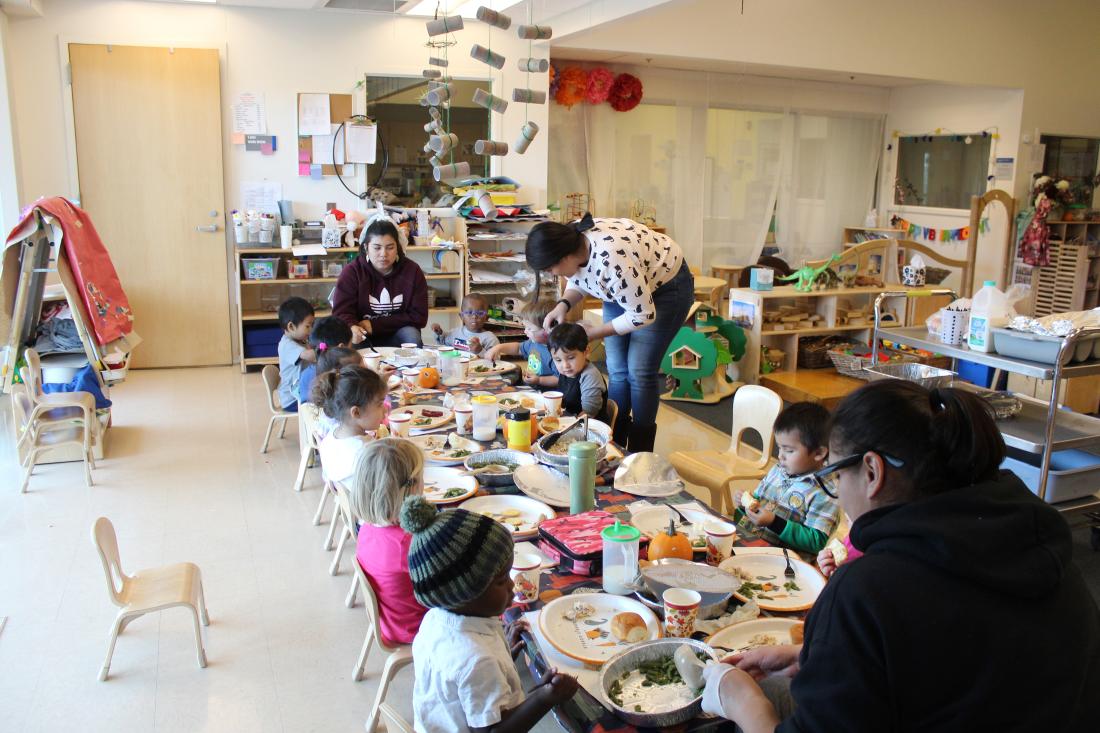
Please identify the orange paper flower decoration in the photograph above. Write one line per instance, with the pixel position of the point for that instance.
(572, 87)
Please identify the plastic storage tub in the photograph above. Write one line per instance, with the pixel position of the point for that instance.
(261, 341)
(1073, 473)
(260, 268)
(1033, 347)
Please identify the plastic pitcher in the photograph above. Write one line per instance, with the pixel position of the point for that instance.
(620, 557)
(988, 310)
(450, 368)
(486, 411)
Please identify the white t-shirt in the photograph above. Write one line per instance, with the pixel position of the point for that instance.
(338, 456)
(465, 676)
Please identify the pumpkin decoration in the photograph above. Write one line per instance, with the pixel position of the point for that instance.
(670, 544)
(429, 377)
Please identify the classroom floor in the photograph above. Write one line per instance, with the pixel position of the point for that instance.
(183, 479)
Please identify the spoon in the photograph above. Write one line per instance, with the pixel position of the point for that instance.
(689, 666)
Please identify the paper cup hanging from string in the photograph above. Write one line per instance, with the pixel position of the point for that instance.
(448, 24)
(485, 203)
(526, 135)
(439, 95)
(442, 144)
(486, 56)
(528, 96)
(431, 73)
(482, 98)
(532, 64)
(490, 147)
(436, 61)
(493, 18)
(452, 171)
(535, 32)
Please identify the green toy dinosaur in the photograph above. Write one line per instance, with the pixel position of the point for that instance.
(807, 276)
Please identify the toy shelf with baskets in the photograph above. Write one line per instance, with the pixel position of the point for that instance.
(1072, 280)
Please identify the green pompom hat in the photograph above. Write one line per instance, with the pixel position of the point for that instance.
(454, 554)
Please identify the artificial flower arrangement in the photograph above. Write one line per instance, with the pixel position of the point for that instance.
(573, 84)
(1059, 192)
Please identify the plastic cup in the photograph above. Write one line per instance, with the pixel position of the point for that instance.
(525, 572)
(399, 424)
(464, 419)
(553, 403)
(719, 540)
(681, 609)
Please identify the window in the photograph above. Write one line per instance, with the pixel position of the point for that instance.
(1076, 159)
(941, 171)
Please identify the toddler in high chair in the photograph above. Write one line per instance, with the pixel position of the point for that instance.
(353, 397)
(466, 677)
(790, 504)
(388, 471)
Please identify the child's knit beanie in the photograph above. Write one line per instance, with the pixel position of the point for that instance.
(454, 554)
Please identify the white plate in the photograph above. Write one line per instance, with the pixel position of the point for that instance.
(590, 640)
(551, 424)
(653, 520)
(768, 568)
(531, 400)
(543, 483)
(531, 512)
(417, 412)
(438, 480)
(737, 636)
(436, 449)
(484, 368)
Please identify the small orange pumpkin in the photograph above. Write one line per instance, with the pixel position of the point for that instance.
(670, 544)
(429, 377)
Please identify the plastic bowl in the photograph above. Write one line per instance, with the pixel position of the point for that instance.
(477, 460)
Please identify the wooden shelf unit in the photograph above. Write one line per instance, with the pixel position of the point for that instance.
(1072, 280)
(858, 235)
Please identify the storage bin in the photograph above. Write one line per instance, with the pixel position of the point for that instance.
(1073, 473)
(298, 269)
(978, 374)
(261, 341)
(260, 268)
(1033, 347)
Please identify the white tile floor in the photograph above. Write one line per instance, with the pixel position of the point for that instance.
(183, 480)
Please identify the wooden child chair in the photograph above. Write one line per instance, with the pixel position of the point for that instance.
(42, 428)
(278, 414)
(397, 656)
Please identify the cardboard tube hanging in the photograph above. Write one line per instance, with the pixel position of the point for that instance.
(439, 95)
(526, 135)
(485, 203)
(493, 18)
(486, 56)
(431, 73)
(454, 170)
(528, 96)
(490, 147)
(534, 32)
(434, 112)
(482, 98)
(532, 64)
(435, 162)
(439, 26)
(435, 127)
(443, 143)
(436, 61)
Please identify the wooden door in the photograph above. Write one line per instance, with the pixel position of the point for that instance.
(149, 156)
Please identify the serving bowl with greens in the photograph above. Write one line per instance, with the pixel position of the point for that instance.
(643, 687)
(499, 464)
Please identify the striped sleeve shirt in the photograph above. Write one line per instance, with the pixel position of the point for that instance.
(627, 262)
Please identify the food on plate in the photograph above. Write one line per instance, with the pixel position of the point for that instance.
(550, 424)
(580, 610)
(513, 519)
(561, 448)
(762, 640)
(432, 413)
(654, 687)
(629, 627)
(420, 421)
(749, 502)
(456, 491)
(797, 633)
(670, 544)
(528, 402)
(482, 369)
(510, 513)
(741, 573)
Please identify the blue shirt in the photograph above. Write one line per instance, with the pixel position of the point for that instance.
(305, 382)
(538, 354)
(290, 370)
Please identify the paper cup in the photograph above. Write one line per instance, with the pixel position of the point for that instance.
(553, 403)
(399, 424)
(526, 568)
(240, 231)
(465, 362)
(410, 378)
(464, 419)
(719, 540)
(372, 362)
(286, 236)
(681, 609)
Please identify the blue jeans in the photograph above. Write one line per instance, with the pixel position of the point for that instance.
(403, 335)
(634, 359)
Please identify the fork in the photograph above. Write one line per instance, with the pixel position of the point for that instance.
(789, 572)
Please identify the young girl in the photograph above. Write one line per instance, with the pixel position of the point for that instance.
(330, 359)
(327, 333)
(465, 669)
(387, 472)
(353, 397)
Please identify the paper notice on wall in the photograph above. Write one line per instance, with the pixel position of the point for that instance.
(313, 115)
(1002, 168)
(361, 142)
(261, 196)
(249, 114)
(323, 147)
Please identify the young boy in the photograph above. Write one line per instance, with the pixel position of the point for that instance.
(296, 320)
(327, 333)
(466, 677)
(471, 335)
(540, 371)
(581, 384)
(789, 505)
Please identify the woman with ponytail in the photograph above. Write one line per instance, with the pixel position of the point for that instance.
(647, 290)
(965, 612)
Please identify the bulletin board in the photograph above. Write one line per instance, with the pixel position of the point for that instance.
(339, 111)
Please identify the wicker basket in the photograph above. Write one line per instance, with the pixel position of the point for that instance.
(935, 275)
(813, 351)
(852, 365)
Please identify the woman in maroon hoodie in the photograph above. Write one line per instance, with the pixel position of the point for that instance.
(382, 294)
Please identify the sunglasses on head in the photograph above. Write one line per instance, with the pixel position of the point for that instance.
(847, 462)
(475, 314)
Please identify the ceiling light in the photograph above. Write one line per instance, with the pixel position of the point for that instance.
(465, 8)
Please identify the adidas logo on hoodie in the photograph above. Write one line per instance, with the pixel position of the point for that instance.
(383, 305)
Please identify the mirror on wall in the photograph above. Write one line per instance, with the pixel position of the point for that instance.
(394, 101)
(941, 171)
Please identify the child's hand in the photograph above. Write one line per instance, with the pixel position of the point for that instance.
(475, 345)
(556, 687)
(494, 352)
(826, 562)
(512, 633)
(437, 329)
(385, 370)
(759, 515)
(532, 379)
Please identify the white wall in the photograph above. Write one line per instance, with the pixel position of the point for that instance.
(278, 53)
(9, 180)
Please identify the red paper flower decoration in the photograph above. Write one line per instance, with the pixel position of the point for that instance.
(599, 85)
(571, 88)
(626, 93)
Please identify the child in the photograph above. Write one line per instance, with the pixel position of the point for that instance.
(353, 397)
(387, 471)
(804, 514)
(839, 549)
(328, 360)
(540, 371)
(466, 678)
(296, 320)
(581, 384)
(327, 333)
(471, 335)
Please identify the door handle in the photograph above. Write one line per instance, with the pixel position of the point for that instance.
(211, 228)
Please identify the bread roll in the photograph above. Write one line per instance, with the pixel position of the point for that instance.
(796, 633)
(629, 627)
(748, 502)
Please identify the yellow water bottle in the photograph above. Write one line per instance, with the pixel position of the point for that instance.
(517, 429)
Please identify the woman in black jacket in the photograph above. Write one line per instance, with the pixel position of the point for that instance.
(965, 612)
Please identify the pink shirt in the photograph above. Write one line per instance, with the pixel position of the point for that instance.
(853, 553)
(383, 553)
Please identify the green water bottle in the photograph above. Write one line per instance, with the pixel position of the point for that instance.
(582, 477)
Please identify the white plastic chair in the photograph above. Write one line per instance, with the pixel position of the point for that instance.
(272, 379)
(754, 408)
(307, 439)
(146, 591)
(42, 428)
(398, 656)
